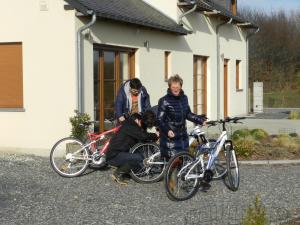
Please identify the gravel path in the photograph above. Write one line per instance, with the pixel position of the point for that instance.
(31, 193)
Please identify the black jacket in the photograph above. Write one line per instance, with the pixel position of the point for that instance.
(129, 135)
(172, 113)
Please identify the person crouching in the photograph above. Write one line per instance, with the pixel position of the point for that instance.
(118, 154)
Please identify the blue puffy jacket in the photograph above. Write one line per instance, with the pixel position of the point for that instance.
(123, 101)
(172, 113)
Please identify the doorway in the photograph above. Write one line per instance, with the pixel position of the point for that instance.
(112, 66)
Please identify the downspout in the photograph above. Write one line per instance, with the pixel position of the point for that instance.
(187, 13)
(218, 65)
(80, 79)
(247, 66)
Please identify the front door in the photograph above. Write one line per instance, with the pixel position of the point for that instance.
(112, 66)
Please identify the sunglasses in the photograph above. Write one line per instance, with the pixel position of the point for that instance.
(134, 91)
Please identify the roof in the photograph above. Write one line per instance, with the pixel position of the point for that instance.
(209, 5)
(135, 12)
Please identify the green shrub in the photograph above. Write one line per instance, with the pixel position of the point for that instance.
(294, 115)
(259, 134)
(293, 134)
(245, 146)
(78, 131)
(242, 133)
(256, 213)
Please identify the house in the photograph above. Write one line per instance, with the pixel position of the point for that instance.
(57, 56)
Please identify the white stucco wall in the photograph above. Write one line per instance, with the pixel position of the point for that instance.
(49, 66)
(49, 85)
(233, 47)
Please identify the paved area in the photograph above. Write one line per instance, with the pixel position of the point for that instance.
(31, 193)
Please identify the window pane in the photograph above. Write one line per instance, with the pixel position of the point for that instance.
(109, 65)
(124, 66)
(96, 86)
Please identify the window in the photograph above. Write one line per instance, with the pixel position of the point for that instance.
(233, 7)
(237, 76)
(11, 75)
(167, 65)
(200, 85)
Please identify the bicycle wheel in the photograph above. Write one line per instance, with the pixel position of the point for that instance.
(153, 166)
(69, 157)
(178, 187)
(232, 169)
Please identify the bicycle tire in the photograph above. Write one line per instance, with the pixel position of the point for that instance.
(232, 165)
(173, 163)
(63, 145)
(141, 177)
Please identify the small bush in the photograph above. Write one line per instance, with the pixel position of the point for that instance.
(259, 134)
(242, 133)
(293, 134)
(294, 115)
(284, 140)
(78, 131)
(245, 146)
(256, 213)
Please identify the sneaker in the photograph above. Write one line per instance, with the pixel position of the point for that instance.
(63, 168)
(204, 186)
(119, 178)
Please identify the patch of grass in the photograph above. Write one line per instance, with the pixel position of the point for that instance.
(283, 99)
(294, 115)
(285, 140)
(255, 213)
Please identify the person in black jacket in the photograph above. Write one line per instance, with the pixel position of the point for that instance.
(130, 134)
(172, 113)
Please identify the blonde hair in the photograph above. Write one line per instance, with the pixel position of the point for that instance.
(175, 79)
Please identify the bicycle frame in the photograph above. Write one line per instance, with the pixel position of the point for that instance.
(215, 150)
(93, 138)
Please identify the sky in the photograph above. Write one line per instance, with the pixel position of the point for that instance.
(270, 5)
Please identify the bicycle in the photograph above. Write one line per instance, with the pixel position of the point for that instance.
(184, 171)
(70, 157)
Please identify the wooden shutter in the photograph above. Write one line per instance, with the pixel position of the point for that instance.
(11, 75)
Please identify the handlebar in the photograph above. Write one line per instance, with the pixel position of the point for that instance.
(226, 120)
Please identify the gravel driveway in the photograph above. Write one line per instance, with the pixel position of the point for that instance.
(31, 193)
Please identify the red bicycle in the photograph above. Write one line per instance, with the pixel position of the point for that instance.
(70, 157)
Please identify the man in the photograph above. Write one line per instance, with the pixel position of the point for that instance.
(132, 98)
(130, 134)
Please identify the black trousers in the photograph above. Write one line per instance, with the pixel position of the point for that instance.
(126, 161)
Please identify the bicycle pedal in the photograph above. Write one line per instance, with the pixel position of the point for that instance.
(208, 175)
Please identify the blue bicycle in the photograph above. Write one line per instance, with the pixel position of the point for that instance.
(214, 159)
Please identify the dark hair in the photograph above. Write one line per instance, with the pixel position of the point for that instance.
(135, 116)
(148, 119)
(135, 83)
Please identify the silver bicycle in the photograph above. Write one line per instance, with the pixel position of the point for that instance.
(215, 159)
